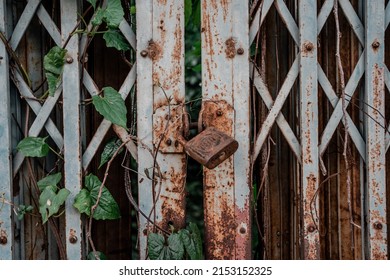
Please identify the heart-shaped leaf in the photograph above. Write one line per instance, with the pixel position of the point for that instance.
(114, 13)
(192, 242)
(115, 39)
(50, 201)
(111, 106)
(50, 180)
(107, 208)
(159, 249)
(109, 150)
(33, 147)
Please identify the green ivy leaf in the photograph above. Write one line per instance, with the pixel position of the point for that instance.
(51, 180)
(192, 241)
(98, 17)
(22, 210)
(53, 63)
(187, 11)
(158, 249)
(109, 150)
(33, 147)
(91, 256)
(93, 3)
(107, 208)
(133, 10)
(111, 106)
(114, 13)
(115, 39)
(50, 202)
(54, 60)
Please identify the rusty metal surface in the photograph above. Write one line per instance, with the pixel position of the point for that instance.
(211, 147)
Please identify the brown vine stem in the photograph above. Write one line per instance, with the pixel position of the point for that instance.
(343, 102)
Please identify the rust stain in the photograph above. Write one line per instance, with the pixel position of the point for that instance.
(230, 48)
(162, 2)
(307, 49)
(154, 50)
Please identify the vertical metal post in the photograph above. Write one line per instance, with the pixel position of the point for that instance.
(144, 116)
(72, 133)
(160, 101)
(309, 125)
(225, 91)
(6, 225)
(375, 130)
(242, 158)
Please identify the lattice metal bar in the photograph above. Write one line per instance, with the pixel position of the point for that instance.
(375, 132)
(387, 83)
(242, 158)
(277, 106)
(309, 125)
(353, 19)
(49, 24)
(285, 128)
(325, 11)
(256, 22)
(105, 125)
(144, 116)
(23, 22)
(42, 119)
(6, 192)
(287, 18)
(387, 16)
(337, 114)
(128, 33)
(352, 129)
(72, 133)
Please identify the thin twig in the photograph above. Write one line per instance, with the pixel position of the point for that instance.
(344, 106)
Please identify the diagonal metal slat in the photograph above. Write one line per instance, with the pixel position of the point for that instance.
(105, 124)
(352, 129)
(353, 20)
(255, 26)
(24, 21)
(387, 83)
(49, 24)
(285, 128)
(126, 30)
(387, 15)
(337, 114)
(277, 106)
(325, 11)
(289, 21)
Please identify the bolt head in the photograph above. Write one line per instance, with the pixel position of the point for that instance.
(69, 60)
(309, 46)
(168, 142)
(311, 228)
(144, 53)
(3, 240)
(73, 239)
(219, 113)
(242, 230)
(240, 51)
(375, 44)
(378, 225)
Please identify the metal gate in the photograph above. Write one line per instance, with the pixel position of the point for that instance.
(274, 77)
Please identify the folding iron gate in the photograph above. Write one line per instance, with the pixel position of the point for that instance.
(228, 66)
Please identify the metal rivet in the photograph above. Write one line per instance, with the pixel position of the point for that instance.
(69, 60)
(309, 46)
(278, 233)
(378, 225)
(145, 231)
(73, 239)
(242, 230)
(311, 228)
(144, 53)
(3, 240)
(240, 51)
(375, 44)
(168, 142)
(219, 113)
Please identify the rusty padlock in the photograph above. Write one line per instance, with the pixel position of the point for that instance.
(210, 147)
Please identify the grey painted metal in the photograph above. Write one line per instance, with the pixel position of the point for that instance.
(387, 16)
(23, 22)
(284, 126)
(309, 125)
(257, 22)
(242, 157)
(337, 114)
(375, 132)
(6, 224)
(288, 19)
(144, 116)
(352, 129)
(277, 106)
(72, 137)
(324, 13)
(105, 125)
(353, 19)
(49, 24)
(128, 33)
